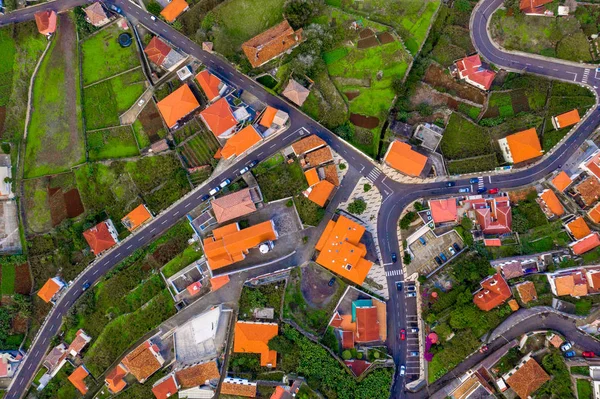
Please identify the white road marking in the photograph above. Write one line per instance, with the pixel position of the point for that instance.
(152, 230)
(176, 213)
(129, 246)
(164, 221)
(188, 204)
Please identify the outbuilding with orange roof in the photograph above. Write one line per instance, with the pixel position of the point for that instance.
(320, 192)
(77, 378)
(174, 9)
(567, 119)
(402, 157)
(561, 181)
(137, 217)
(594, 213)
(522, 146)
(585, 244)
(165, 387)
(254, 337)
(552, 202)
(268, 117)
(46, 22)
(115, 379)
(241, 142)
(50, 289)
(578, 228)
(177, 105)
(312, 177)
(219, 119)
(211, 85)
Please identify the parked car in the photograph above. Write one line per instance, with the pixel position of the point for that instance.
(456, 247)
(398, 285)
(566, 346)
(481, 190)
(450, 184)
(474, 180)
(252, 164)
(225, 183)
(483, 349)
(411, 288)
(422, 241)
(244, 170)
(588, 354)
(115, 8)
(205, 197)
(451, 250)
(414, 353)
(443, 257)
(402, 334)
(414, 330)
(464, 190)
(331, 282)
(411, 295)
(570, 354)
(152, 17)
(438, 260)
(494, 190)
(402, 370)
(394, 257)
(214, 191)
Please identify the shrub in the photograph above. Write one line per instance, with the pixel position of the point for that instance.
(407, 220)
(357, 207)
(5, 148)
(289, 203)
(154, 8)
(406, 259)
(342, 166)
(367, 187)
(346, 355)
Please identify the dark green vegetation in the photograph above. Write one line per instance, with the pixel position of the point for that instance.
(584, 389)
(263, 296)
(560, 384)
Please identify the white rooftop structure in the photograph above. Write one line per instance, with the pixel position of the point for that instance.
(5, 186)
(184, 73)
(201, 338)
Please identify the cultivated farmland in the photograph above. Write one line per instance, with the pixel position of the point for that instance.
(149, 128)
(112, 143)
(200, 149)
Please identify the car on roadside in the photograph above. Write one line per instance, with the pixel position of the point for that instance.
(566, 346)
(588, 354)
(85, 286)
(252, 164)
(116, 9)
(450, 184)
(474, 180)
(493, 190)
(481, 190)
(414, 330)
(331, 281)
(214, 191)
(570, 353)
(413, 353)
(152, 17)
(464, 190)
(205, 197)
(225, 183)
(410, 288)
(398, 285)
(443, 257)
(402, 370)
(456, 247)
(483, 349)
(244, 170)
(402, 334)
(438, 260)
(394, 257)
(422, 241)
(411, 294)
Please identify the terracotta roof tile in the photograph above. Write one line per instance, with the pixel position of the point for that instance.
(157, 51)
(282, 393)
(312, 177)
(46, 22)
(80, 341)
(320, 192)
(512, 270)
(347, 339)
(527, 379)
(165, 387)
(318, 157)
(589, 189)
(174, 9)
(331, 174)
(77, 378)
(138, 216)
(341, 250)
(527, 291)
(585, 244)
(49, 289)
(367, 324)
(594, 213)
(233, 206)
(524, 145)
(231, 388)
(494, 292)
(99, 238)
(114, 379)
(562, 181)
(556, 341)
(142, 362)
(567, 119)
(552, 202)
(402, 157)
(96, 14)
(492, 242)
(271, 43)
(241, 142)
(470, 68)
(309, 143)
(295, 92)
(218, 282)
(210, 84)
(578, 228)
(253, 337)
(218, 117)
(443, 210)
(198, 375)
(177, 105)
(268, 117)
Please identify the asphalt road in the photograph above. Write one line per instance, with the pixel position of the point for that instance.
(396, 196)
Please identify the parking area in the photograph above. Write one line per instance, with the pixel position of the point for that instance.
(426, 246)
(413, 354)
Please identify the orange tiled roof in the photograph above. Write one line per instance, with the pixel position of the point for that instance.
(527, 291)
(556, 340)
(174, 9)
(48, 290)
(367, 324)
(142, 362)
(177, 105)
(443, 210)
(309, 143)
(233, 206)
(529, 6)
(585, 244)
(96, 14)
(402, 157)
(492, 242)
(271, 43)
(320, 192)
(524, 145)
(77, 379)
(295, 92)
(99, 238)
(552, 202)
(514, 305)
(231, 388)
(45, 21)
(527, 379)
(197, 375)
(567, 119)
(589, 190)
(494, 292)
(281, 393)
(209, 83)
(80, 341)
(318, 157)
(253, 337)
(331, 174)
(312, 177)
(218, 117)
(136, 217)
(157, 51)
(268, 117)
(229, 244)
(341, 250)
(594, 213)
(471, 68)
(562, 181)
(578, 228)
(114, 379)
(241, 142)
(218, 282)
(165, 388)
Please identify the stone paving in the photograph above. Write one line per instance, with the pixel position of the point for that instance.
(369, 220)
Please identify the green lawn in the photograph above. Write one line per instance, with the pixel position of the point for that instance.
(281, 181)
(140, 134)
(104, 57)
(54, 138)
(8, 279)
(482, 163)
(38, 213)
(184, 259)
(8, 49)
(112, 143)
(463, 139)
(584, 389)
(239, 20)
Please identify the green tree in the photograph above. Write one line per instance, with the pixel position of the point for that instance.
(406, 259)
(154, 8)
(407, 220)
(281, 344)
(346, 355)
(367, 187)
(357, 207)
(298, 12)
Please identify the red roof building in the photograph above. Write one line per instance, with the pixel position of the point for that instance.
(367, 324)
(494, 292)
(157, 51)
(219, 118)
(271, 43)
(211, 85)
(166, 387)
(586, 244)
(101, 237)
(533, 7)
(472, 71)
(46, 22)
(443, 210)
(592, 164)
(493, 215)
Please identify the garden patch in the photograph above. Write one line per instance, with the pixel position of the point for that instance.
(112, 143)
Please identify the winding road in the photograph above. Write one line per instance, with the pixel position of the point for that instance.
(396, 196)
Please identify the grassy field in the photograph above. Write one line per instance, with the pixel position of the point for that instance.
(8, 49)
(463, 139)
(200, 149)
(482, 163)
(38, 212)
(552, 37)
(280, 180)
(184, 259)
(8, 279)
(584, 389)
(104, 57)
(112, 143)
(54, 139)
(140, 135)
(236, 21)
(105, 101)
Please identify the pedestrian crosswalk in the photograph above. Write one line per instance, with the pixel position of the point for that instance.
(373, 174)
(390, 273)
(480, 184)
(586, 73)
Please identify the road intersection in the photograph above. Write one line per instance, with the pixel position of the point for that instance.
(395, 196)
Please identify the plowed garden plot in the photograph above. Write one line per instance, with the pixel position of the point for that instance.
(368, 122)
(385, 37)
(368, 42)
(351, 95)
(2, 117)
(367, 32)
(23, 279)
(73, 203)
(437, 77)
(199, 150)
(149, 128)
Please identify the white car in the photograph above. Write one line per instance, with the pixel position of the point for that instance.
(566, 346)
(153, 18)
(141, 102)
(225, 183)
(402, 370)
(214, 191)
(244, 170)
(451, 250)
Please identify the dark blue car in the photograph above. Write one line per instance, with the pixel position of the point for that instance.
(394, 257)
(474, 180)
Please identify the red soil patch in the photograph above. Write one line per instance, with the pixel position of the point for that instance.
(73, 203)
(368, 122)
(385, 38)
(2, 119)
(23, 284)
(367, 32)
(368, 42)
(151, 121)
(352, 95)
(19, 324)
(437, 77)
(56, 202)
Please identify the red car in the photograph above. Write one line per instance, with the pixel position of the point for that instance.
(402, 334)
(588, 354)
(493, 191)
